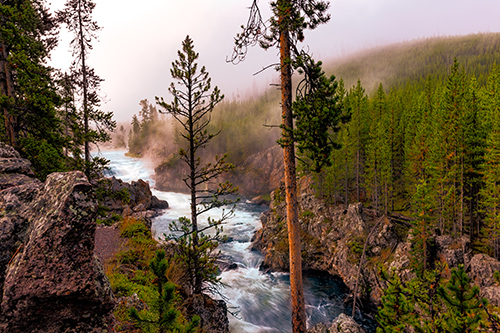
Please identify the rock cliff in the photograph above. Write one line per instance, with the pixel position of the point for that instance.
(50, 280)
(259, 174)
(333, 239)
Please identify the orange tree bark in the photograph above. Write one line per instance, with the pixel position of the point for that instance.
(296, 286)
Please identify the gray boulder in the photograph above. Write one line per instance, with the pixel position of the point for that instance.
(53, 283)
(482, 269)
(345, 324)
(49, 278)
(342, 324)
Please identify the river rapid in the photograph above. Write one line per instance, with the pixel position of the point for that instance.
(262, 299)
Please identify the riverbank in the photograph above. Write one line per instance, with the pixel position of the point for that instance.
(261, 297)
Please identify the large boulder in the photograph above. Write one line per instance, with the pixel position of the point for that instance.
(454, 251)
(212, 313)
(18, 188)
(345, 324)
(53, 283)
(482, 272)
(50, 280)
(14, 170)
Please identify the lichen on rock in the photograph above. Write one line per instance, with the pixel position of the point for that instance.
(49, 278)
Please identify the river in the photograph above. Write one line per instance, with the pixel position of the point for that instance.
(262, 298)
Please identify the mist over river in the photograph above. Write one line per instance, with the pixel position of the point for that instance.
(262, 299)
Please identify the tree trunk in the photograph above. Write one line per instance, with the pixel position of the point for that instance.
(346, 185)
(85, 94)
(7, 89)
(197, 283)
(297, 292)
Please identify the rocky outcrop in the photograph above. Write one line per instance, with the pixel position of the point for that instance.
(169, 174)
(212, 313)
(50, 279)
(259, 174)
(128, 199)
(453, 251)
(341, 324)
(17, 191)
(482, 272)
(332, 239)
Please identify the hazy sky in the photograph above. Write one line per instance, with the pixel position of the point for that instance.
(140, 39)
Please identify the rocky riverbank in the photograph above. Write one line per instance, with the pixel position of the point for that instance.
(333, 239)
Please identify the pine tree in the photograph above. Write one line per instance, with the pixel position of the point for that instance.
(474, 143)
(462, 303)
(134, 147)
(452, 150)
(396, 306)
(77, 15)
(377, 150)
(71, 121)
(317, 112)
(358, 105)
(490, 193)
(423, 229)
(289, 20)
(169, 318)
(192, 105)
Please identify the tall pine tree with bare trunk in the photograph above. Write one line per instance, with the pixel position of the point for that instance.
(290, 19)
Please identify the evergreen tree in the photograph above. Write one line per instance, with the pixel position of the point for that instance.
(377, 150)
(452, 150)
(28, 94)
(462, 303)
(120, 138)
(77, 15)
(192, 105)
(134, 147)
(169, 318)
(358, 105)
(317, 112)
(396, 306)
(393, 163)
(423, 229)
(490, 193)
(430, 304)
(71, 121)
(474, 143)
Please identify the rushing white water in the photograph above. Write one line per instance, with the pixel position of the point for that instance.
(262, 299)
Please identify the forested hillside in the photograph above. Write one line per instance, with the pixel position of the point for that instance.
(422, 143)
(425, 144)
(412, 62)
